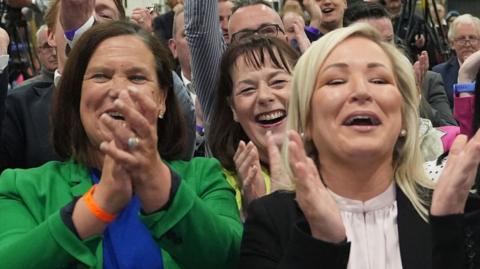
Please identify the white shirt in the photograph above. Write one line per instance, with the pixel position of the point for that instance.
(372, 229)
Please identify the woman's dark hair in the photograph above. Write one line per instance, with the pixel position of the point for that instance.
(69, 137)
(224, 133)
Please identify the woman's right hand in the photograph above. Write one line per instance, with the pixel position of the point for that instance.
(312, 196)
(247, 164)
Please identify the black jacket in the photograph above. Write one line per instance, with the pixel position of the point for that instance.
(25, 139)
(277, 235)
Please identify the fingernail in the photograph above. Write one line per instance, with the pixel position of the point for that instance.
(132, 89)
(118, 103)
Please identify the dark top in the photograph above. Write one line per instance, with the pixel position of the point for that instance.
(277, 235)
(449, 72)
(25, 139)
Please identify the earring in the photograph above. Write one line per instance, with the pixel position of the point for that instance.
(403, 133)
(161, 113)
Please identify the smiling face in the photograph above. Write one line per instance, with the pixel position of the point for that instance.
(332, 12)
(356, 107)
(259, 101)
(117, 64)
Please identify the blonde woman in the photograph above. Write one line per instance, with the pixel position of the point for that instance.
(361, 199)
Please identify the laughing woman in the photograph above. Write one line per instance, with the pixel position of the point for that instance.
(361, 199)
(252, 100)
(122, 200)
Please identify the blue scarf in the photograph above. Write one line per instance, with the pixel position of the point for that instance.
(127, 243)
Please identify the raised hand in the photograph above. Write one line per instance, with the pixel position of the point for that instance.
(247, 163)
(469, 69)
(300, 36)
(316, 203)
(420, 68)
(142, 17)
(134, 147)
(457, 178)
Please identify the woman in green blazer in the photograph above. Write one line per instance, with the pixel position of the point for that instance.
(121, 200)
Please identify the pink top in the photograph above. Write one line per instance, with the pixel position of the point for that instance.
(463, 113)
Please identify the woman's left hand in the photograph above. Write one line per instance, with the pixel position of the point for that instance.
(135, 148)
(458, 177)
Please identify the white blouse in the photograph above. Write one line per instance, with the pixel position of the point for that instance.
(372, 229)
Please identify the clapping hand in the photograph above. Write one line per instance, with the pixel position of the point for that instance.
(312, 196)
(458, 177)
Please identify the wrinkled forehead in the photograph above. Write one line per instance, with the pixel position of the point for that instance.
(252, 17)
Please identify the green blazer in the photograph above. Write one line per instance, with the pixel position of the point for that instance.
(200, 229)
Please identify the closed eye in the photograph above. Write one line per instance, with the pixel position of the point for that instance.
(378, 81)
(137, 79)
(335, 82)
(278, 84)
(100, 77)
(246, 91)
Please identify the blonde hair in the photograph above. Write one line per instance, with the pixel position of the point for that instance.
(407, 159)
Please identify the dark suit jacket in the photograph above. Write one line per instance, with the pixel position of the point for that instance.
(25, 139)
(277, 235)
(437, 107)
(3, 94)
(449, 72)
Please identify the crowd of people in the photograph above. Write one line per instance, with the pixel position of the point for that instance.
(325, 134)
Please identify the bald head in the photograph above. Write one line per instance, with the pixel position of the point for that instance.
(252, 17)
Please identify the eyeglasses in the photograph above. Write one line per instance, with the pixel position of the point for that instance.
(45, 47)
(265, 29)
(463, 41)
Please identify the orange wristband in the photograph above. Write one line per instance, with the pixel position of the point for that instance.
(95, 209)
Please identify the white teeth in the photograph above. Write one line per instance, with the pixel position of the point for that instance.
(271, 116)
(115, 115)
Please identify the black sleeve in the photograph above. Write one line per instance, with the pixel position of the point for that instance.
(66, 214)
(456, 238)
(3, 95)
(263, 247)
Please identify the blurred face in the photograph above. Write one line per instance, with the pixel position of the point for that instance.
(394, 6)
(118, 63)
(384, 26)
(106, 10)
(224, 13)
(356, 105)
(252, 18)
(465, 41)
(288, 20)
(56, 39)
(259, 101)
(332, 12)
(179, 46)
(46, 53)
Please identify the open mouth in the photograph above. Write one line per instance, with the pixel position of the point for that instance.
(327, 10)
(362, 120)
(271, 118)
(116, 115)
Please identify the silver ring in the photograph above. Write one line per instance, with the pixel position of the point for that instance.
(132, 142)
